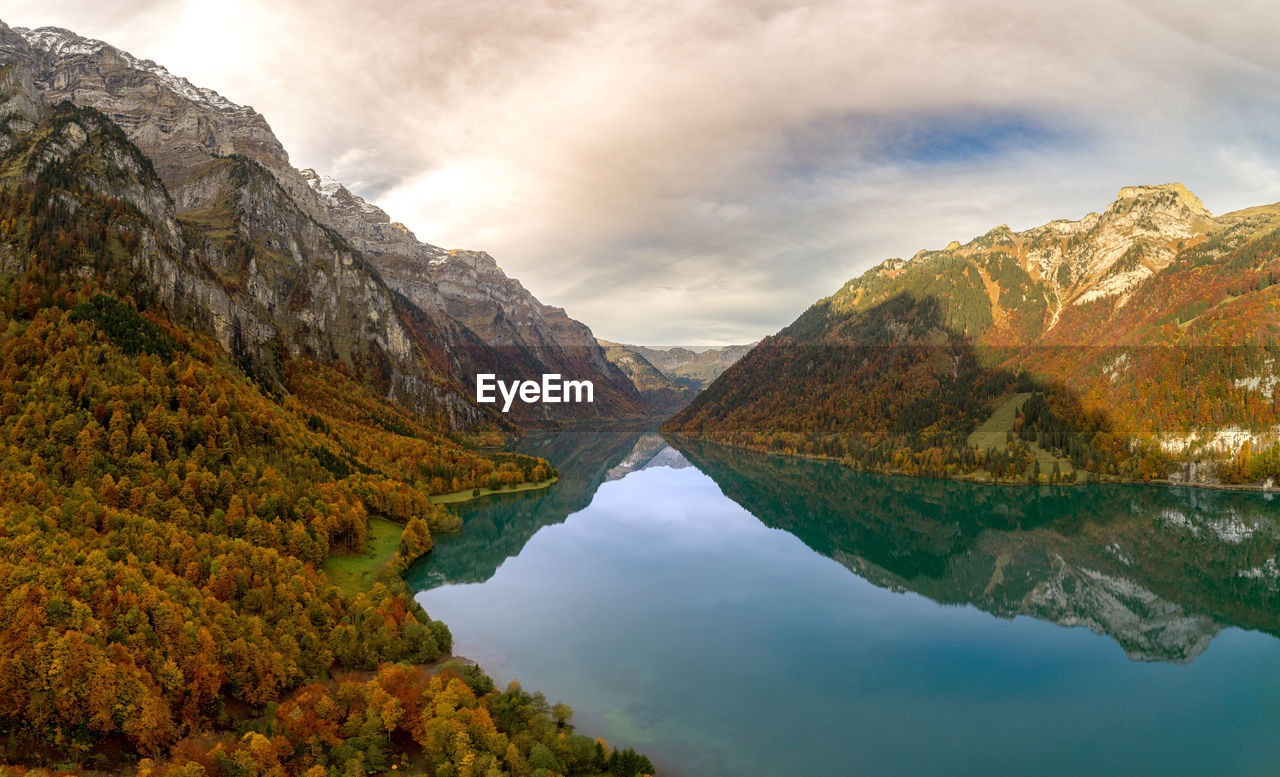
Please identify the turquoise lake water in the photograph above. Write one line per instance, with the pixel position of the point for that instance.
(729, 613)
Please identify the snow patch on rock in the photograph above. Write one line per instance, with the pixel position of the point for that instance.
(65, 44)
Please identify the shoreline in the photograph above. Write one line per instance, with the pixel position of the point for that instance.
(969, 478)
(339, 676)
(467, 495)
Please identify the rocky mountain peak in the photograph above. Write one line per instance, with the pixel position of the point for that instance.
(338, 197)
(1167, 211)
(1015, 283)
(1139, 234)
(1166, 195)
(64, 44)
(215, 157)
(179, 125)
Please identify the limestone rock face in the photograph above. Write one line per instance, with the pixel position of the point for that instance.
(19, 101)
(1137, 236)
(177, 124)
(1100, 256)
(468, 288)
(223, 246)
(1017, 288)
(1063, 264)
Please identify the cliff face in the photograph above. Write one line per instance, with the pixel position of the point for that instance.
(204, 148)
(179, 125)
(1149, 328)
(469, 289)
(240, 261)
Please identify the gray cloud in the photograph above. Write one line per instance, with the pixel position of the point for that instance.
(700, 172)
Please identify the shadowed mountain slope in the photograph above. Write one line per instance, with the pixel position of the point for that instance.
(1143, 342)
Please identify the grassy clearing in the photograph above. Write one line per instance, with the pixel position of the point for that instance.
(1047, 460)
(356, 574)
(453, 497)
(992, 433)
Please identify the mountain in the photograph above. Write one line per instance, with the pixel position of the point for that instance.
(693, 367)
(468, 288)
(211, 405)
(498, 526)
(661, 391)
(669, 378)
(242, 263)
(1135, 343)
(260, 229)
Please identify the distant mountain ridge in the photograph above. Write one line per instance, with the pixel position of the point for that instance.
(206, 150)
(659, 390)
(682, 374)
(1140, 342)
(693, 366)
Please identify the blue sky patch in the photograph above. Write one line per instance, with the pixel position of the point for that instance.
(936, 140)
(840, 145)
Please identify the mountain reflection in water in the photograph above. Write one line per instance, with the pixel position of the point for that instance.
(1160, 570)
(695, 602)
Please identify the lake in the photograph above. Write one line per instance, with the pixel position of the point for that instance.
(734, 613)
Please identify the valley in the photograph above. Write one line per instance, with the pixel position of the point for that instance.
(259, 444)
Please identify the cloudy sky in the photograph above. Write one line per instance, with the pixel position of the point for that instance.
(701, 171)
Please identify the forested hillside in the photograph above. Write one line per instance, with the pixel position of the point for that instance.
(661, 392)
(169, 501)
(1139, 343)
(164, 523)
